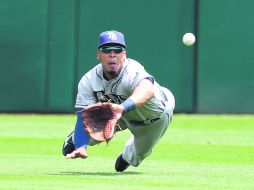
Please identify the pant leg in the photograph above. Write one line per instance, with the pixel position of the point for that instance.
(144, 138)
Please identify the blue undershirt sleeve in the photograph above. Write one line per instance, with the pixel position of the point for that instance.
(81, 137)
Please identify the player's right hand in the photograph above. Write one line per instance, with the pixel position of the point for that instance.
(78, 153)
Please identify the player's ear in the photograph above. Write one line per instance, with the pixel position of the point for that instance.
(98, 55)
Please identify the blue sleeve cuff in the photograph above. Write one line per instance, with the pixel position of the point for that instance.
(81, 137)
(128, 105)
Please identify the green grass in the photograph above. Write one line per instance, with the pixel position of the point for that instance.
(205, 152)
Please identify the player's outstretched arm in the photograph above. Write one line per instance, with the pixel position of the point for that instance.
(81, 139)
(143, 92)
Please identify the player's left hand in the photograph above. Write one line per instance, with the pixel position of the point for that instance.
(100, 120)
(118, 109)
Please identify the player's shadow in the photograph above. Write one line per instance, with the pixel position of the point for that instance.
(97, 173)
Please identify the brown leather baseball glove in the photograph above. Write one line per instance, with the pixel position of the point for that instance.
(99, 120)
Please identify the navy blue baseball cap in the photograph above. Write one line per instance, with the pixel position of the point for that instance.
(111, 37)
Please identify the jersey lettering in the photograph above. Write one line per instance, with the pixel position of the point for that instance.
(113, 98)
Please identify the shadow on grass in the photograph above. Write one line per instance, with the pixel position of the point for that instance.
(96, 173)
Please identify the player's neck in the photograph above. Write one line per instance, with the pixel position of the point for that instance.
(110, 75)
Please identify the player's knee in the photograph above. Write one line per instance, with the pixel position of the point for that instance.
(139, 158)
(137, 162)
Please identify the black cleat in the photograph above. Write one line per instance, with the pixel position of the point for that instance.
(121, 164)
(68, 146)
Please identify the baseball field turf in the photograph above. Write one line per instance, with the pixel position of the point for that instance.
(205, 152)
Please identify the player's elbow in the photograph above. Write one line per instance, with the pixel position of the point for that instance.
(148, 89)
(150, 93)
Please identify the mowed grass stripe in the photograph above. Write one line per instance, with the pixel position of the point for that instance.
(197, 152)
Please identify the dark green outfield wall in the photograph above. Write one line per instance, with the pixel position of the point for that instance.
(47, 45)
(226, 56)
(37, 55)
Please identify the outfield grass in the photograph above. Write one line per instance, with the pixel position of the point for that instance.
(206, 152)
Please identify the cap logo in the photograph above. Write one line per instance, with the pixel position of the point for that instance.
(112, 35)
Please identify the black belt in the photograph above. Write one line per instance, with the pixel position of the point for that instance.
(148, 121)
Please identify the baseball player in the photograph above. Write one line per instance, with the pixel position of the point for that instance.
(143, 106)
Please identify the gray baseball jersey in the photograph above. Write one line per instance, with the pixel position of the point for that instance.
(93, 88)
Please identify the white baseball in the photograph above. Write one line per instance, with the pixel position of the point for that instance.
(189, 39)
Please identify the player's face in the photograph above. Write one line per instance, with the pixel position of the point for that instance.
(112, 59)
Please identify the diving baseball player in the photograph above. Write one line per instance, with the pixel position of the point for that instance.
(143, 106)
